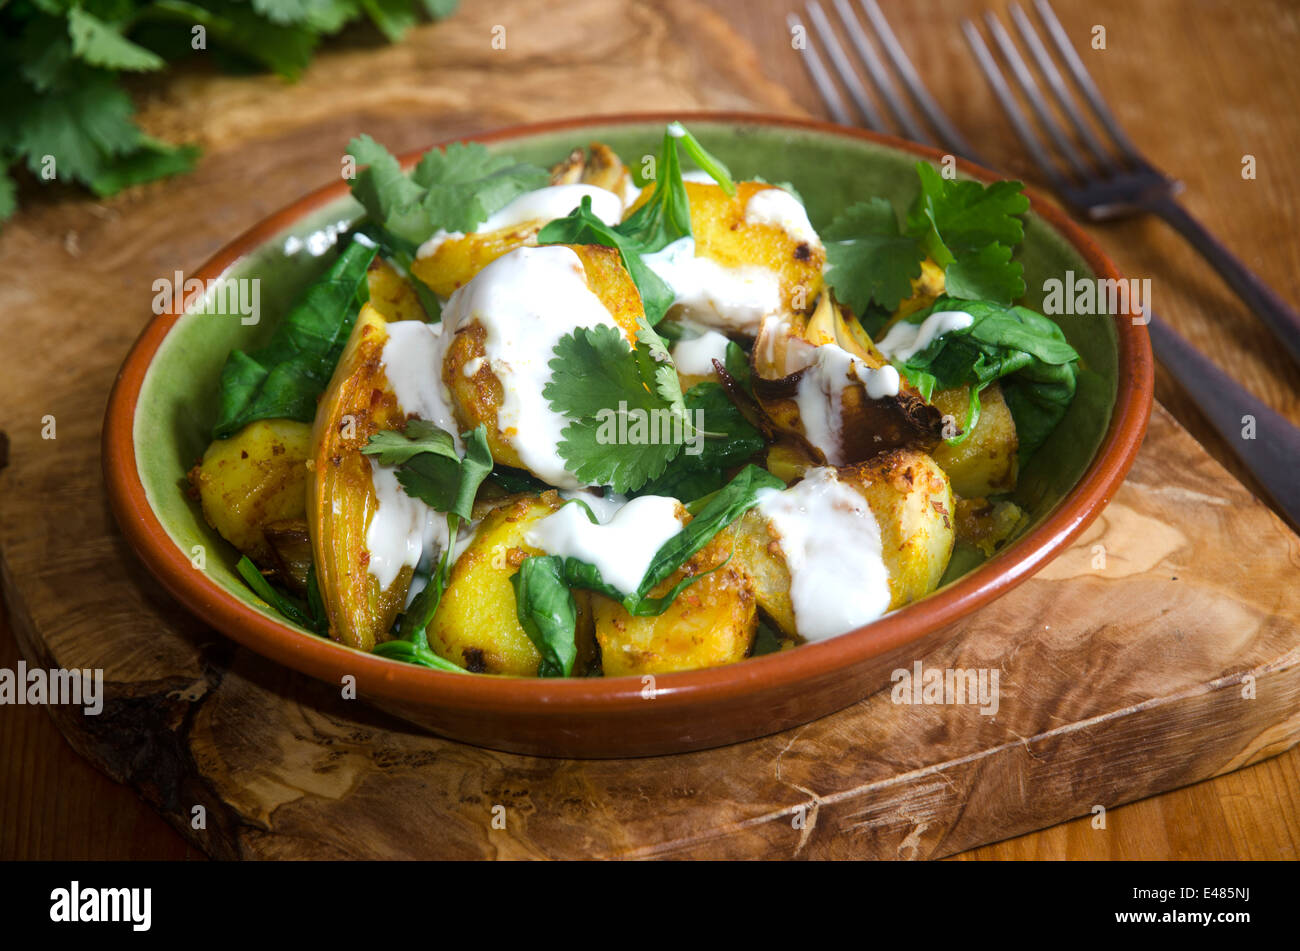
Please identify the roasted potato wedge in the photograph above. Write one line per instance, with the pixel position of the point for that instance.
(477, 624)
(476, 398)
(392, 294)
(341, 498)
(723, 235)
(711, 623)
(912, 501)
(985, 462)
(256, 477)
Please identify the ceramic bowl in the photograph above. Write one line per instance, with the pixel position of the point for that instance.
(164, 401)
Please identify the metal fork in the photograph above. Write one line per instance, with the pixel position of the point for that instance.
(1112, 182)
(1273, 456)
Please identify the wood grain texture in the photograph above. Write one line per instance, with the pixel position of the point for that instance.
(286, 768)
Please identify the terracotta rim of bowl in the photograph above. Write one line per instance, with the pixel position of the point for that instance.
(393, 680)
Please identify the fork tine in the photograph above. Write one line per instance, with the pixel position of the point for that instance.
(840, 60)
(1085, 83)
(879, 75)
(1009, 105)
(911, 80)
(1056, 83)
(1029, 87)
(820, 78)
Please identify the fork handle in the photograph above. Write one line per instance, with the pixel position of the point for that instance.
(1270, 451)
(1259, 297)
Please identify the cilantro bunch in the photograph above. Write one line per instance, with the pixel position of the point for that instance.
(66, 116)
(969, 230)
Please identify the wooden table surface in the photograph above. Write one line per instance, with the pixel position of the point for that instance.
(1198, 85)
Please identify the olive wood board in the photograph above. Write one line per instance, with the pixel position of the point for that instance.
(1176, 659)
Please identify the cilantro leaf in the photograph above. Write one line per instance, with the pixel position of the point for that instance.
(100, 44)
(466, 183)
(969, 229)
(613, 437)
(429, 469)
(987, 274)
(869, 258)
(455, 190)
(443, 480)
(958, 216)
(394, 448)
(152, 160)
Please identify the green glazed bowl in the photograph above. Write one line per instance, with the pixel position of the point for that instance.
(163, 406)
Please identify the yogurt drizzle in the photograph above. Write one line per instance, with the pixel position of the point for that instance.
(831, 544)
(526, 301)
(905, 339)
(621, 546)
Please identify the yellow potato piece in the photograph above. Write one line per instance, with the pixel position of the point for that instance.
(257, 476)
(392, 294)
(985, 462)
(722, 234)
(711, 623)
(912, 501)
(477, 622)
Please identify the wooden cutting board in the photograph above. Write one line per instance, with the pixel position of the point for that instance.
(1174, 657)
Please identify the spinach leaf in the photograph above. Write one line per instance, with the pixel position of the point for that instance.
(310, 615)
(418, 654)
(547, 613)
(1022, 348)
(284, 379)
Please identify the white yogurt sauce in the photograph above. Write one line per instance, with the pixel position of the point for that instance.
(405, 532)
(526, 301)
(602, 506)
(694, 356)
(724, 297)
(620, 547)
(698, 176)
(906, 339)
(412, 360)
(543, 204)
(777, 207)
(831, 544)
(395, 535)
